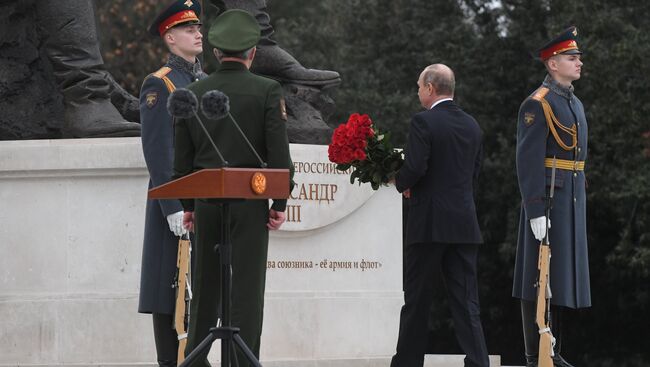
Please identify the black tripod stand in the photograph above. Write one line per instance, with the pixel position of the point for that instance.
(226, 332)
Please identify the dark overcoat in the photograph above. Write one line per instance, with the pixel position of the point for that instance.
(569, 270)
(160, 244)
(256, 103)
(441, 168)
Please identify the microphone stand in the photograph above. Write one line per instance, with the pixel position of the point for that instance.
(207, 134)
(227, 333)
(262, 163)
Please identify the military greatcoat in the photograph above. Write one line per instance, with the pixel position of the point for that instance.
(536, 141)
(257, 105)
(160, 244)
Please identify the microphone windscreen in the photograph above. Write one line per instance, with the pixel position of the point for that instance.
(182, 103)
(215, 104)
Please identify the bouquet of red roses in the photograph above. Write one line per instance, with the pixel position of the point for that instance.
(359, 144)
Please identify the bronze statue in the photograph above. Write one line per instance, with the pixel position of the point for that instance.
(53, 83)
(271, 60)
(72, 46)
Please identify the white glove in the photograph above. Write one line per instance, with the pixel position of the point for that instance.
(176, 223)
(537, 225)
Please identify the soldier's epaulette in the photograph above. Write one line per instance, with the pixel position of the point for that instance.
(162, 72)
(540, 93)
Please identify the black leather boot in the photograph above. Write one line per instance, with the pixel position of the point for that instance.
(556, 323)
(166, 339)
(531, 361)
(558, 361)
(71, 44)
(531, 333)
(270, 59)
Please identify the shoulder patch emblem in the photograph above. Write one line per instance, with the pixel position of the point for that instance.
(283, 109)
(152, 99)
(529, 118)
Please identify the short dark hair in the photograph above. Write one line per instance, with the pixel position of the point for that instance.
(243, 55)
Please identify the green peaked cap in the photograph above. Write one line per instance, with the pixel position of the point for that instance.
(234, 31)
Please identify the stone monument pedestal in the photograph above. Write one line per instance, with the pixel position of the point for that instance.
(71, 234)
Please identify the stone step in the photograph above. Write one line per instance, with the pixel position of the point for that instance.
(446, 360)
(454, 360)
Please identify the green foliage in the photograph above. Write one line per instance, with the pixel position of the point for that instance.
(129, 52)
(380, 47)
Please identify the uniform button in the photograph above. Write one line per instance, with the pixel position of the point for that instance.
(575, 174)
(579, 149)
(574, 200)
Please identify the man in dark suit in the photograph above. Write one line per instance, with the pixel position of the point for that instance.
(179, 27)
(441, 167)
(256, 103)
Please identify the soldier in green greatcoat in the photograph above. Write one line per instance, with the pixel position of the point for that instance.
(256, 103)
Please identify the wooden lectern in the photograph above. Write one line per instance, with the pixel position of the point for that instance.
(225, 184)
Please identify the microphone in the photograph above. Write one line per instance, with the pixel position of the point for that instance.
(216, 105)
(182, 103)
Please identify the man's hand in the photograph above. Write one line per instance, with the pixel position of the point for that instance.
(175, 222)
(275, 219)
(537, 225)
(188, 221)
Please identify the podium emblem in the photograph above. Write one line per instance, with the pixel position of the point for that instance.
(258, 183)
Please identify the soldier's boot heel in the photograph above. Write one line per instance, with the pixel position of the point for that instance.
(558, 361)
(556, 322)
(531, 361)
(531, 334)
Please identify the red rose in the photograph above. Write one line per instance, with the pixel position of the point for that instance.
(359, 155)
(354, 144)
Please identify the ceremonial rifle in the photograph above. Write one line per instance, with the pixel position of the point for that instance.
(183, 294)
(544, 295)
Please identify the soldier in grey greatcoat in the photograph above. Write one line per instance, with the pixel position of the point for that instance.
(552, 123)
(179, 27)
